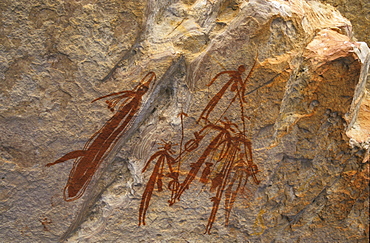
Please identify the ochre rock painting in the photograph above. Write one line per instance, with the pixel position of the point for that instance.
(225, 160)
(96, 149)
(239, 121)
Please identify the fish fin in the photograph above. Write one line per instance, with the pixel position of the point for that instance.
(70, 155)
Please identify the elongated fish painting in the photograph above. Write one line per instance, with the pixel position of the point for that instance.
(96, 149)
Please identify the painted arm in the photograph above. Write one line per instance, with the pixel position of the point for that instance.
(218, 75)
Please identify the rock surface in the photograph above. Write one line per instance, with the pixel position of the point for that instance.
(298, 97)
(358, 12)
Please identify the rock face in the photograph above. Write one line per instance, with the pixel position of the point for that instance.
(227, 121)
(358, 12)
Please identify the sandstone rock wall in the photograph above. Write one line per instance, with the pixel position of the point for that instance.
(358, 12)
(255, 128)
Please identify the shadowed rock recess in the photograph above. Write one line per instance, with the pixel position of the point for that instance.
(212, 121)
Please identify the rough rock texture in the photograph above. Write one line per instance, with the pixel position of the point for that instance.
(358, 12)
(301, 104)
(358, 118)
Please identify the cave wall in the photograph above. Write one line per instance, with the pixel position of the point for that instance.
(257, 111)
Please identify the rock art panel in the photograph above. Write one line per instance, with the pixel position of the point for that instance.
(238, 121)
